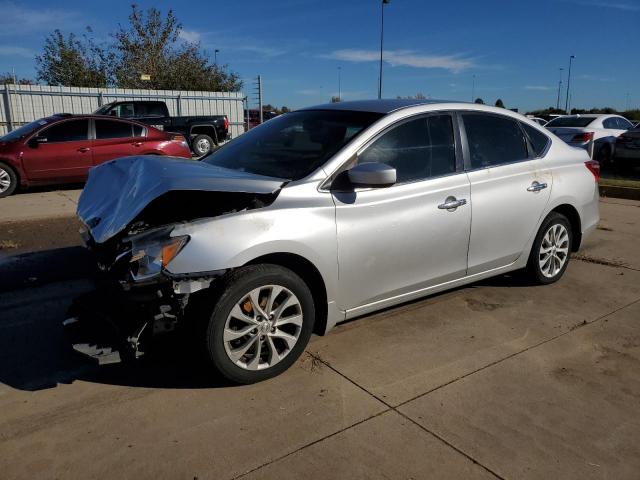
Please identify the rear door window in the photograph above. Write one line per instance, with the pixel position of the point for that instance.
(494, 140)
(70, 131)
(106, 129)
(610, 123)
(124, 110)
(151, 109)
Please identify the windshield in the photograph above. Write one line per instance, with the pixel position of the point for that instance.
(103, 109)
(570, 122)
(23, 131)
(293, 145)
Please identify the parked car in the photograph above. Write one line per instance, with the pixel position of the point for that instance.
(628, 148)
(595, 133)
(323, 215)
(62, 148)
(203, 132)
(538, 120)
(252, 117)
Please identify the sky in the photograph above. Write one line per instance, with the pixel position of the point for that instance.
(508, 49)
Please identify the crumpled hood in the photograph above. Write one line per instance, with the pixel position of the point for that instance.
(117, 191)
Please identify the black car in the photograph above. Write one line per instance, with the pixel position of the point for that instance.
(202, 132)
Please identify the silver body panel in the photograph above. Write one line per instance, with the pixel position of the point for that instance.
(375, 248)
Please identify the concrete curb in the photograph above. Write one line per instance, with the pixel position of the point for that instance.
(629, 193)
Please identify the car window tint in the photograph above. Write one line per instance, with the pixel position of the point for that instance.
(124, 110)
(151, 109)
(106, 129)
(139, 131)
(538, 139)
(417, 149)
(611, 123)
(570, 122)
(71, 131)
(493, 140)
(623, 123)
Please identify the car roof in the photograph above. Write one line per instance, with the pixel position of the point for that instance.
(378, 106)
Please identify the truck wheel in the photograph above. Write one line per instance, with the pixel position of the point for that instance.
(260, 324)
(202, 144)
(8, 180)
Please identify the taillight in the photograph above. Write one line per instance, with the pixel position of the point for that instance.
(226, 123)
(178, 138)
(594, 167)
(582, 137)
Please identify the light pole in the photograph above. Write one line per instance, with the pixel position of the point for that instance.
(339, 85)
(473, 87)
(559, 89)
(566, 103)
(384, 2)
(215, 57)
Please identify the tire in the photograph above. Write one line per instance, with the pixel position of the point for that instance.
(225, 348)
(559, 243)
(8, 180)
(202, 144)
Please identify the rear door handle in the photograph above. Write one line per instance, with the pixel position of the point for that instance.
(84, 150)
(536, 187)
(451, 203)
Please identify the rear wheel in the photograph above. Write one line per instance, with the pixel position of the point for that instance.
(605, 156)
(551, 248)
(8, 180)
(202, 144)
(260, 324)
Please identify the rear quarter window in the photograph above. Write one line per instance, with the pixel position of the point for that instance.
(538, 140)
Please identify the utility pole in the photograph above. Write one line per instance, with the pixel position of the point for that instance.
(559, 90)
(215, 57)
(260, 98)
(339, 85)
(384, 2)
(473, 87)
(566, 104)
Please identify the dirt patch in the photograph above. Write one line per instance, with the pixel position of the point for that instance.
(38, 235)
(312, 362)
(603, 228)
(482, 306)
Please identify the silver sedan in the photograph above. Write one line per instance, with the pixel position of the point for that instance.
(326, 214)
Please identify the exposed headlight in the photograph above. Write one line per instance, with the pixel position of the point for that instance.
(151, 253)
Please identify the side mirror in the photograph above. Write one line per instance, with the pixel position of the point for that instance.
(372, 175)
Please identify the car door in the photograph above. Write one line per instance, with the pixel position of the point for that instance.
(397, 240)
(61, 151)
(115, 139)
(510, 187)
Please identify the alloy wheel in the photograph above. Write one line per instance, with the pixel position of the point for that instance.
(263, 327)
(5, 180)
(554, 250)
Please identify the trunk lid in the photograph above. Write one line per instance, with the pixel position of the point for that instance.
(117, 191)
(567, 133)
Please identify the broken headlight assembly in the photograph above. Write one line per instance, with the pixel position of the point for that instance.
(151, 252)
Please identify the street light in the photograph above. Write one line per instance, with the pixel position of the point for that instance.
(566, 103)
(384, 2)
(339, 85)
(559, 89)
(473, 87)
(215, 56)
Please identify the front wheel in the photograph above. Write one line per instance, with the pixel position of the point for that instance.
(8, 180)
(551, 248)
(260, 324)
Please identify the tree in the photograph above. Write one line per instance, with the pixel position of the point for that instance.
(500, 103)
(335, 99)
(285, 109)
(73, 62)
(479, 100)
(150, 45)
(9, 79)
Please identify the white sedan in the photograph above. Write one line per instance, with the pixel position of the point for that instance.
(595, 133)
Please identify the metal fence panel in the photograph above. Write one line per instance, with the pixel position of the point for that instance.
(20, 104)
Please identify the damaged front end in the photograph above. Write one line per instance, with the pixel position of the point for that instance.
(137, 297)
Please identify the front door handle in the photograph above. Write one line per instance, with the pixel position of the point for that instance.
(84, 149)
(536, 187)
(451, 203)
